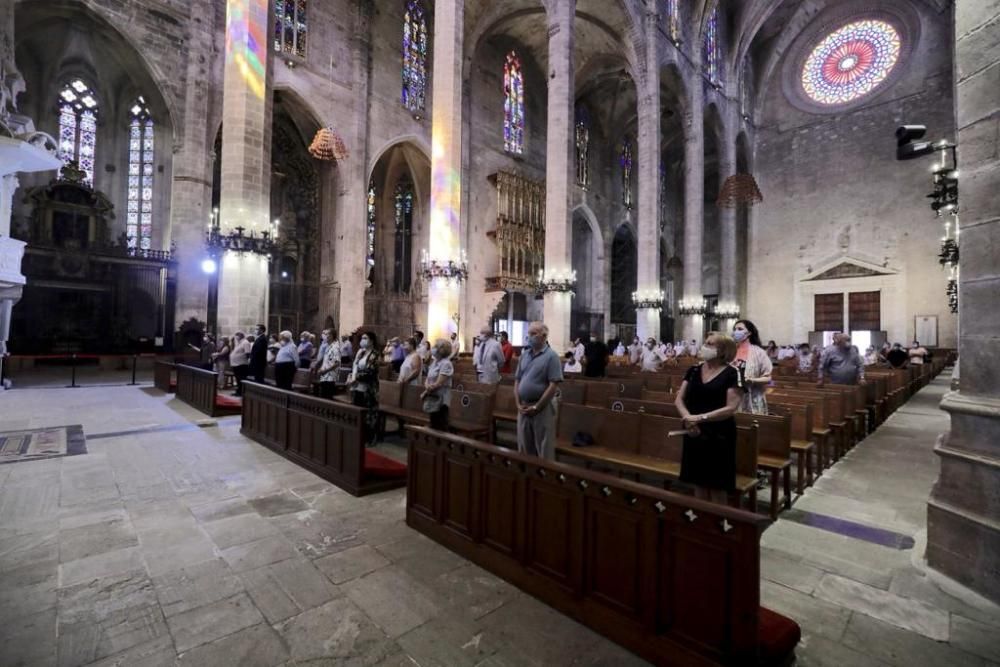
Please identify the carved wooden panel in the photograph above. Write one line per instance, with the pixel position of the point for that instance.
(614, 556)
(829, 312)
(864, 311)
(499, 509)
(552, 546)
(458, 494)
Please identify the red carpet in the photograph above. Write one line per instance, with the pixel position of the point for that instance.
(227, 401)
(383, 466)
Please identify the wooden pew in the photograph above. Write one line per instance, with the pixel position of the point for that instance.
(638, 444)
(325, 437)
(831, 411)
(671, 578)
(464, 384)
(804, 442)
(774, 454)
(401, 401)
(471, 414)
(199, 389)
(164, 373)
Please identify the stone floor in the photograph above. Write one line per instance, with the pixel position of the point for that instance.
(175, 540)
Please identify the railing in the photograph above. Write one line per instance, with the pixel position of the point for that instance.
(79, 370)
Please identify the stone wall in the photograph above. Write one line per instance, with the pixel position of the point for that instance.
(833, 191)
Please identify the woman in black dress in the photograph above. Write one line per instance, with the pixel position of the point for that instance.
(707, 400)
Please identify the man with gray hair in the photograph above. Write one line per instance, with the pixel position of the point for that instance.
(488, 358)
(538, 376)
(841, 363)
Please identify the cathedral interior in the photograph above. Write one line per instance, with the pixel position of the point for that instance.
(617, 169)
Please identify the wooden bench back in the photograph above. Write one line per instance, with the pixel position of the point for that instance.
(800, 416)
(598, 393)
(657, 382)
(614, 430)
(653, 438)
(640, 406)
(163, 374)
(774, 433)
(820, 413)
(658, 396)
(471, 409)
(475, 387)
(503, 399)
(746, 450)
(411, 398)
(390, 395)
(197, 388)
(571, 392)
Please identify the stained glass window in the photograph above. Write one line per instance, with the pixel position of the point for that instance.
(712, 50)
(582, 142)
(414, 56)
(290, 27)
(370, 259)
(513, 108)
(141, 144)
(403, 197)
(78, 126)
(850, 62)
(626, 162)
(673, 16)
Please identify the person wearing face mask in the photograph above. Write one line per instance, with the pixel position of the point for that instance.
(897, 356)
(871, 356)
(841, 363)
(285, 361)
(918, 354)
(595, 357)
(754, 364)
(437, 388)
(535, 383)
(397, 354)
(620, 349)
(305, 350)
(328, 364)
(412, 365)
(363, 381)
(805, 358)
(707, 400)
(488, 359)
(650, 357)
(634, 351)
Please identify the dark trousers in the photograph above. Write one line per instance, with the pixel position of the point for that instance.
(439, 419)
(327, 389)
(240, 373)
(396, 365)
(284, 373)
(359, 399)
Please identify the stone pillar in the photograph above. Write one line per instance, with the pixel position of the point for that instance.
(443, 296)
(191, 186)
(694, 204)
(351, 239)
(963, 513)
(559, 170)
(648, 273)
(246, 162)
(727, 225)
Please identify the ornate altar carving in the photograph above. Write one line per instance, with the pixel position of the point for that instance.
(68, 213)
(520, 232)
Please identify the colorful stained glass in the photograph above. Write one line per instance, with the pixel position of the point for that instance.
(414, 56)
(78, 127)
(626, 164)
(850, 62)
(513, 108)
(140, 177)
(370, 259)
(712, 50)
(582, 144)
(403, 197)
(673, 16)
(290, 27)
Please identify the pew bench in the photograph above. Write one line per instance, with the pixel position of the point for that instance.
(672, 578)
(165, 376)
(200, 389)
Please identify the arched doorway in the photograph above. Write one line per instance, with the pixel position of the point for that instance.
(586, 316)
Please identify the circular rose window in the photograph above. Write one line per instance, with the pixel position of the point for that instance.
(850, 62)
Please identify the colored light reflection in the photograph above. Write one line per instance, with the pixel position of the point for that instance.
(246, 41)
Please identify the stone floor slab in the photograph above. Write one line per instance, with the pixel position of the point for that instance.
(195, 586)
(256, 554)
(240, 529)
(338, 632)
(393, 599)
(256, 646)
(285, 589)
(213, 621)
(351, 563)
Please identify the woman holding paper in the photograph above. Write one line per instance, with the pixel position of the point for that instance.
(707, 400)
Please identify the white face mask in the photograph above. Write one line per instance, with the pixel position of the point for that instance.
(708, 353)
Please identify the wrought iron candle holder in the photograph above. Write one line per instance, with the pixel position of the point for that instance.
(692, 307)
(727, 311)
(558, 282)
(218, 243)
(648, 299)
(447, 269)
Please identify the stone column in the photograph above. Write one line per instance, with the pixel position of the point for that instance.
(963, 513)
(694, 204)
(559, 169)
(246, 162)
(648, 278)
(191, 186)
(443, 296)
(351, 238)
(727, 225)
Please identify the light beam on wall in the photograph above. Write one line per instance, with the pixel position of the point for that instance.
(246, 43)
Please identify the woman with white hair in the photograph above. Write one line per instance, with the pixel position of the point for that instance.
(285, 361)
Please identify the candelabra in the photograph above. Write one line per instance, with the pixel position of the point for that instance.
(237, 241)
(692, 307)
(648, 299)
(557, 281)
(727, 311)
(449, 270)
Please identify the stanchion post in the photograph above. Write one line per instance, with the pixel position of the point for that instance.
(135, 358)
(73, 371)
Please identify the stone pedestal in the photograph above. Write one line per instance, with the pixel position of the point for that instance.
(963, 513)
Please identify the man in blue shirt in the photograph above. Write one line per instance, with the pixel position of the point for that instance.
(841, 363)
(538, 376)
